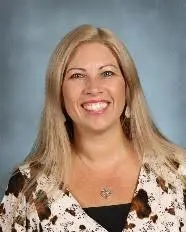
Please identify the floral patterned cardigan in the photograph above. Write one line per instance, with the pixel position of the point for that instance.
(156, 206)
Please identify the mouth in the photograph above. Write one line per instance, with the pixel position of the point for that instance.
(95, 106)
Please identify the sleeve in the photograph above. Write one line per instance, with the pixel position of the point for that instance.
(13, 205)
(182, 171)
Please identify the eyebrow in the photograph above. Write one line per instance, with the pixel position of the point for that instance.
(108, 65)
(82, 69)
(70, 69)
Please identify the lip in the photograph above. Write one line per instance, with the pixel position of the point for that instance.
(94, 101)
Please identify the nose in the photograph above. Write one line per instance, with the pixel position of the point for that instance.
(93, 87)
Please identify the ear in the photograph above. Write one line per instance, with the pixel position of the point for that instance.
(127, 96)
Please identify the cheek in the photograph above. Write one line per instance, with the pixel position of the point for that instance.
(70, 98)
(119, 93)
(121, 99)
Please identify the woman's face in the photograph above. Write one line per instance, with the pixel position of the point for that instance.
(94, 88)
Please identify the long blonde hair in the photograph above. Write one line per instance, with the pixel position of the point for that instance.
(53, 149)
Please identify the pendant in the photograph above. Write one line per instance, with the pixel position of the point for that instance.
(105, 193)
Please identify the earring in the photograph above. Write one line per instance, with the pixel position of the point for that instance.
(127, 112)
(64, 118)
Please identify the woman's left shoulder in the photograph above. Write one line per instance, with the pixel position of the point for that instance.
(182, 172)
(182, 169)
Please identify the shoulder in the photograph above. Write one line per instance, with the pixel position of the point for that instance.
(13, 205)
(160, 175)
(24, 176)
(182, 164)
(182, 172)
(182, 169)
(23, 185)
(17, 181)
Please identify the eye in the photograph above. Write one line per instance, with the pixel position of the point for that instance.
(107, 73)
(77, 76)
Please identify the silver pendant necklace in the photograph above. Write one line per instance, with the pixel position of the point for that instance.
(105, 193)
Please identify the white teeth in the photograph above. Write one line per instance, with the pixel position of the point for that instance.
(95, 106)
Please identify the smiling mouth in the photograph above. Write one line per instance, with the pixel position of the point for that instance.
(95, 107)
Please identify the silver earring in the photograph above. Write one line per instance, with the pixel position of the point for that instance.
(127, 112)
(64, 118)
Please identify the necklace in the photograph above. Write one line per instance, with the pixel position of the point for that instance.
(105, 192)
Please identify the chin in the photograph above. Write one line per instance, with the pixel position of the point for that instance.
(100, 128)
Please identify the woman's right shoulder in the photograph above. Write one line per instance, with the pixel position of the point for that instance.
(14, 202)
(17, 180)
(21, 177)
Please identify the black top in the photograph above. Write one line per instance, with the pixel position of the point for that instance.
(112, 217)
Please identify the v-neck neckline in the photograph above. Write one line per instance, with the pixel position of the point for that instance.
(90, 220)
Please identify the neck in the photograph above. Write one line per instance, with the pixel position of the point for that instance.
(102, 149)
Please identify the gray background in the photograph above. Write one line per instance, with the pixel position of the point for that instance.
(153, 30)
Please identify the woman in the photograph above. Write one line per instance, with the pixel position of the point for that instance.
(99, 162)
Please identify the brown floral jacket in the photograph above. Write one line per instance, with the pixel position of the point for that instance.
(156, 206)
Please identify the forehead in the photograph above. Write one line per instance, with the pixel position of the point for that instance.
(92, 53)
